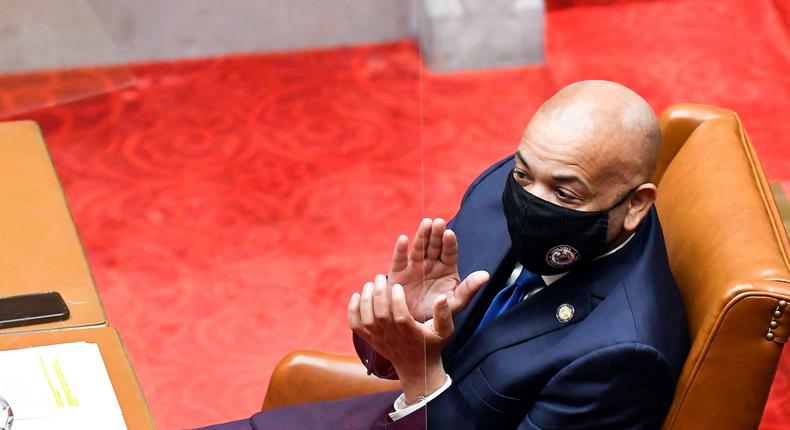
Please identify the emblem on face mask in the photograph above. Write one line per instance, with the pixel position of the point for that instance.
(562, 256)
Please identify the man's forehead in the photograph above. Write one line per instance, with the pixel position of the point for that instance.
(558, 171)
(563, 161)
(570, 149)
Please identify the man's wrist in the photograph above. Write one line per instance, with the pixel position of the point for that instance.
(401, 409)
(420, 385)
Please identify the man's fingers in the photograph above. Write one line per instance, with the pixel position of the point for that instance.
(366, 306)
(464, 292)
(381, 301)
(435, 239)
(442, 317)
(354, 318)
(400, 310)
(449, 248)
(400, 257)
(420, 240)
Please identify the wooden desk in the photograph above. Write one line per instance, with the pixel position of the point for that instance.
(124, 381)
(39, 246)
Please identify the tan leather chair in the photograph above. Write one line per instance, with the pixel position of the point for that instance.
(729, 252)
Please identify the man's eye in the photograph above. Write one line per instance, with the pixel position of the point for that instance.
(520, 176)
(564, 194)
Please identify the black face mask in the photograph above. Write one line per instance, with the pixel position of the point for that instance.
(549, 239)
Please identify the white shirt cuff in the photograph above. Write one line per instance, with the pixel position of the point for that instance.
(402, 409)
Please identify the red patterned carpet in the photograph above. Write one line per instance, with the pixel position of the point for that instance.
(230, 206)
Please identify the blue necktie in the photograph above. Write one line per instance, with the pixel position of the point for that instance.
(511, 296)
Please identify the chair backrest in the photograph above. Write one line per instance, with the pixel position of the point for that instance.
(729, 253)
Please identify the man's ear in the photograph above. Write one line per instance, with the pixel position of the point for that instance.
(638, 205)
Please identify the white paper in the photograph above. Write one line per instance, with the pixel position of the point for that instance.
(63, 386)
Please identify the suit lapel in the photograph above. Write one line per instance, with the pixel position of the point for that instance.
(483, 244)
(466, 321)
(530, 318)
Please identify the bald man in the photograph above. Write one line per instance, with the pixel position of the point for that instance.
(547, 302)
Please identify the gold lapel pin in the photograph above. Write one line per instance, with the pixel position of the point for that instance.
(565, 313)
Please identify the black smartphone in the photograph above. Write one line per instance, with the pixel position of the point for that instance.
(32, 309)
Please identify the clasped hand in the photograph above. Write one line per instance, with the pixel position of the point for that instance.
(391, 313)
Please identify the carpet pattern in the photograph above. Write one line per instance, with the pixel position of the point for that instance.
(229, 206)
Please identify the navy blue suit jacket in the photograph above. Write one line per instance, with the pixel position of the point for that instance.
(614, 365)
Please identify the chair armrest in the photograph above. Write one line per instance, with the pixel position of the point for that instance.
(312, 376)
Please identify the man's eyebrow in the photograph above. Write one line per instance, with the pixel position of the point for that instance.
(523, 160)
(570, 178)
(558, 177)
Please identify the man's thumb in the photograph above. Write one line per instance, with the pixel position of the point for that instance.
(467, 289)
(442, 317)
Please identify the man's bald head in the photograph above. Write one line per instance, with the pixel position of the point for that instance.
(611, 120)
(593, 146)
